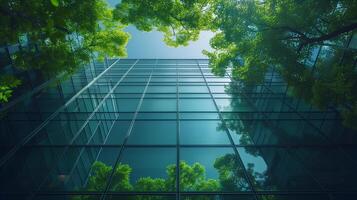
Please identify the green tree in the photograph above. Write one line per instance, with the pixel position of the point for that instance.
(61, 35)
(253, 35)
(180, 21)
(282, 34)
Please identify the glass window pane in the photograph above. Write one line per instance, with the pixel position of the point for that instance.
(118, 132)
(187, 105)
(127, 105)
(218, 168)
(150, 169)
(158, 105)
(161, 89)
(153, 132)
(193, 89)
(82, 169)
(239, 105)
(332, 168)
(130, 89)
(266, 165)
(202, 132)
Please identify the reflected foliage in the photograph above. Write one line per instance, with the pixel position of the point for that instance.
(254, 35)
(231, 177)
(192, 179)
(7, 85)
(230, 173)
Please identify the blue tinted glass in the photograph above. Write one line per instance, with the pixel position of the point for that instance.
(153, 132)
(127, 105)
(202, 132)
(193, 89)
(117, 133)
(158, 105)
(219, 166)
(196, 105)
(152, 165)
(265, 166)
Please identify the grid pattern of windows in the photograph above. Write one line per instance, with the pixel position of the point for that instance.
(170, 129)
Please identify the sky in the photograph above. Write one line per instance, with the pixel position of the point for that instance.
(151, 45)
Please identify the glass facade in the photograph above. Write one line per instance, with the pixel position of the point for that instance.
(170, 129)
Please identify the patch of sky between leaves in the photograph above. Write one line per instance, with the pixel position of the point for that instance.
(150, 45)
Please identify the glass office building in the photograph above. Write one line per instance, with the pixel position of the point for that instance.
(170, 129)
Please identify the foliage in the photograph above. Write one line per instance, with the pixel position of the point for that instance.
(7, 85)
(180, 21)
(192, 178)
(60, 35)
(231, 175)
(253, 35)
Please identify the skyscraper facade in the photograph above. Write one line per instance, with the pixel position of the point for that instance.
(170, 129)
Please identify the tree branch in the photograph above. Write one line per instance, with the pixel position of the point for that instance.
(333, 34)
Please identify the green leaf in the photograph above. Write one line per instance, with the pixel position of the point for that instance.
(55, 3)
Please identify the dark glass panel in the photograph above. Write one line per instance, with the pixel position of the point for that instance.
(274, 169)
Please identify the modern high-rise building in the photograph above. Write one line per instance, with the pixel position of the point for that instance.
(170, 129)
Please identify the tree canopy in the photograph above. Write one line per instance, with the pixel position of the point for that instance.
(180, 21)
(60, 35)
(254, 36)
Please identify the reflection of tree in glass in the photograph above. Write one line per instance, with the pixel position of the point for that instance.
(192, 178)
(243, 128)
(7, 84)
(248, 124)
(231, 174)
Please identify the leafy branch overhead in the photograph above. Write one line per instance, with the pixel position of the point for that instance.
(180, 21)
(61, 34)
(254, 36)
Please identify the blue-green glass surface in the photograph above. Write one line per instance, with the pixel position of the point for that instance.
(202, 132)
(153, 132)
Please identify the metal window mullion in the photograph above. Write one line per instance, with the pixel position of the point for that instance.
(33, 133)
(81, 129)
(177, 137)
(101, 147)
(103, 196)
(266, 120)
(251, 185)
(196, 145)
(81, 152)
